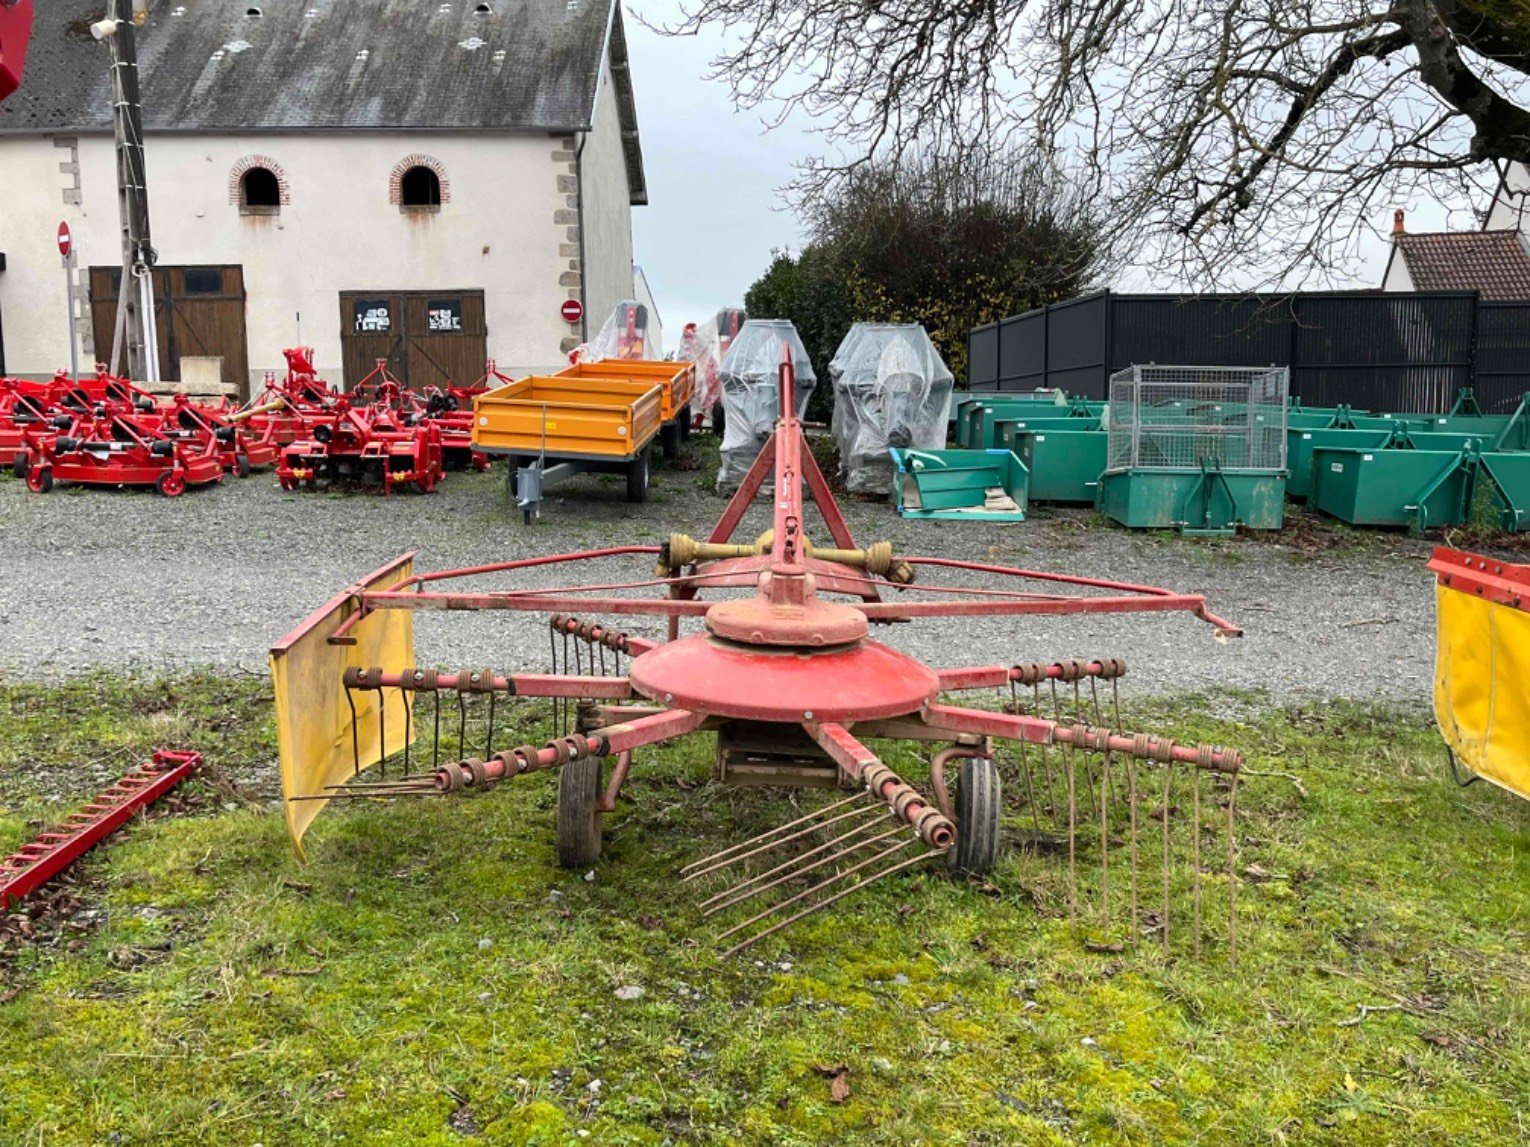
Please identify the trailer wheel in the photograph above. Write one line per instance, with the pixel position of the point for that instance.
(978, 802)
(40, 479)
(172, 483)
(685, 423)
(669, 439)
(637, 476)
(241, 465)
(578, 817)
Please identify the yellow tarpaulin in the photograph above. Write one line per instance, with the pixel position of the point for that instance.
(313, 714)
(1482, 686)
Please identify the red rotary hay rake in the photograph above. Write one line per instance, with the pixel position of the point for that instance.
(794, 688)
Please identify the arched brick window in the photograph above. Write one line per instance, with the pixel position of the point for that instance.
(257, 185)
(419, 183)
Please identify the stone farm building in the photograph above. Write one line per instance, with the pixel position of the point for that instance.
(428, 181)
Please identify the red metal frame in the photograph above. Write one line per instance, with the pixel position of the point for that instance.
(1487, 578)
(52, 852)
(788, 655)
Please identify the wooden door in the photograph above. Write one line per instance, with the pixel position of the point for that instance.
(429, 338)
(198, 312)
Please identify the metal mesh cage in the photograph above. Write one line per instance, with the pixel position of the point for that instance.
(1186, 417)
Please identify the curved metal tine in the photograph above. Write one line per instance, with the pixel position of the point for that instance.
(1072, 841)
(732, 860)
(355, 735)
(814, 815)
(1046, 758)
(488, 741)
(1232, 873)
(408, 726)
(1030, 788)
(1109, 790)
(1105, 852)
(382, 733)
(1131, 782)
(1195, 858)
(738, 894)
(461, 724)
(1168, 779)
(435, 755)
(830, 899)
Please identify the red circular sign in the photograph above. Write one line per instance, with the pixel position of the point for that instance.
(65, 240)
(573, 310)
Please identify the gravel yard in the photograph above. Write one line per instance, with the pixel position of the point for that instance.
(133, 581)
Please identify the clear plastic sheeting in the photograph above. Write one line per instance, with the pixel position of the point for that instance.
(750, 392)
(623, 335)
(891, 389)
(706, 344)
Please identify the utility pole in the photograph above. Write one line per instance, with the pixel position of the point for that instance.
(135, 299)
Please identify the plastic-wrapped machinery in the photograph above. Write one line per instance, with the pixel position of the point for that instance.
(749, 397)
(623, 335)
(891, 388)
(706, 344)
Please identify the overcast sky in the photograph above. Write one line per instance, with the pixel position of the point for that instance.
(715, 212)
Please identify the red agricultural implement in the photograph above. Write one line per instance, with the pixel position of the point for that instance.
(122, 450)
(27, 870)
(15, 30)
(368, 446)
(787, 676)
(238, 452)
(449, 409)
(280, 412)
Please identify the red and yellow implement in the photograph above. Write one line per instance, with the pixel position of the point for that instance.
(783, 669)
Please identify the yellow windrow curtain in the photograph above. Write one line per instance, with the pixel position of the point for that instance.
(313, 715)
(1482, 686)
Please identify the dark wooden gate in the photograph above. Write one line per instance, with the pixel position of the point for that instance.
(429, 338)
(198, 311)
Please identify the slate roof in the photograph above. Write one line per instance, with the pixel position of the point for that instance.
(1495, 263)
(324, 65)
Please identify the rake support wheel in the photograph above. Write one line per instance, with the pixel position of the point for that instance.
(578, 816)
(978, 803)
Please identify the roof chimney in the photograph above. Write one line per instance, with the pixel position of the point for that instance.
(1397, 223)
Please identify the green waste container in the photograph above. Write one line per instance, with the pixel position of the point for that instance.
(1205, 502)
(1419, 489)
(1506, 478)
(1301, 443)
(961, 484)
(1064, 465)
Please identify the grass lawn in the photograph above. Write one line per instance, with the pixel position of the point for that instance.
(432, 976)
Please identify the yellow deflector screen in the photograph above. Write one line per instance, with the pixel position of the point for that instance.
(313, 715)
(1482, 686)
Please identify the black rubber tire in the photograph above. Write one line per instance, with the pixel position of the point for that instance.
(670, 439)
(685, 423)
(978, 804)
(21, 464)
(719, 419)
(578, 819)
(637, 476)
(40, 481)
(241, 465)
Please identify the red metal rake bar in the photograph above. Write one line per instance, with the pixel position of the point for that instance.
(53, 851)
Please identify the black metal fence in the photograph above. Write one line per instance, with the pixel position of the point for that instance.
(1373, 350)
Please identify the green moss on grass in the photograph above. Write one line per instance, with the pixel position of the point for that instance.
(432, 970)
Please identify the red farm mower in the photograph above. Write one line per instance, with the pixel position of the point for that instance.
(795, 690)
(122, 450)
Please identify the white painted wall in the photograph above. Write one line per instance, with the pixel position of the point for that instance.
(339, 233)
(1397, 276)
(607, 210)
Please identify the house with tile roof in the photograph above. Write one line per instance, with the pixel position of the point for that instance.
(426, 182)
